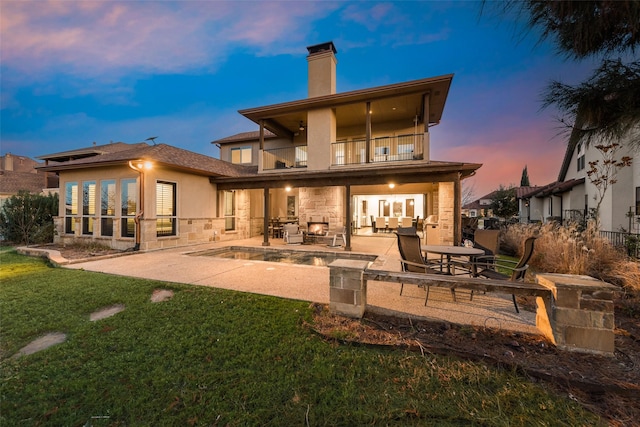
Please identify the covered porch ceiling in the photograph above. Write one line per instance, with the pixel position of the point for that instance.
(396, 102)
(411, 174)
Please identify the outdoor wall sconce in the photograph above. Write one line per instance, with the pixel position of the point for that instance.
(301, 127)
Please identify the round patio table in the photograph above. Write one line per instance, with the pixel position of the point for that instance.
(449, 251)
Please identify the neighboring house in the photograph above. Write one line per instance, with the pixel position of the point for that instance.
(572, 196)
(480, 207)
(18, 173)
(335, 158)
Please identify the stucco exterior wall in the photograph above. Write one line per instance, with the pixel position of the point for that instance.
(196, 208)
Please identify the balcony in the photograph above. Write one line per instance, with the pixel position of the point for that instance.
(382, 150)
(285, 158)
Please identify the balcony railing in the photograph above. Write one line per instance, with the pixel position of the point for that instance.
(382, 149)
(285, 158)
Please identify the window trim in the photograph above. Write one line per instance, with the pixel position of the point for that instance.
(242, 152)
(160, 216)
(71, 206)
(127, 219)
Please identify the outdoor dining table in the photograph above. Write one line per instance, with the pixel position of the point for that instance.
(449, 251)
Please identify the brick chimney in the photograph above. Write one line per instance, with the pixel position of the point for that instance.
(322, 69)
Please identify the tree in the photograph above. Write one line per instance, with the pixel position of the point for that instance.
(603, 174)
(28, 218)
(468, 192)
(504, 203)
(607, 105)
(524, 180)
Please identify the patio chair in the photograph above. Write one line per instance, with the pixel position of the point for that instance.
(413, 260)
(393, 223)
(518, 268)
(407, 222)
(292, 234)
(406, 230)
(489, 242)
(381, 223)
(333, 238)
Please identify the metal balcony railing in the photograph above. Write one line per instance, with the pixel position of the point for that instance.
(285, 158)
(382, 149)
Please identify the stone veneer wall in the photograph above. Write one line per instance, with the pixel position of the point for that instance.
(445, 212)
(580, 315)
(322, 204)
(576, 316)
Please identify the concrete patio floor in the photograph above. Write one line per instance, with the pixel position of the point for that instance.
(309, 283)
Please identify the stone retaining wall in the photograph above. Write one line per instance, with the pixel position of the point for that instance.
(577, 313)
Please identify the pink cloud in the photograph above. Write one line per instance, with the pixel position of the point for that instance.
(106, 38)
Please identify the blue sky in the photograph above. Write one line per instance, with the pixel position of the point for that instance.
(77, 72)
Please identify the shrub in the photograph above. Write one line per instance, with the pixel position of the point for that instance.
(569, 249)
(28, 218)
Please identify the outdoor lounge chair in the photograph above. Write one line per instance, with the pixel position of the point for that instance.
(518, 268)
(291, 234)
(413, 260)
(333, 239)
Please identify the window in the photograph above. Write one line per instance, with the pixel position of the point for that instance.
(107, 206)
(88, 206)
(637, 200)
(165, 209)
(70, 206)
(241, 155)
(580, 160)
(128, 207)
(229, 210)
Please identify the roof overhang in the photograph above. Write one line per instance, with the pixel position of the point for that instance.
(434, 172)
(393, 102)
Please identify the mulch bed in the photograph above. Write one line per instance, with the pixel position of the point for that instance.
(608, 386)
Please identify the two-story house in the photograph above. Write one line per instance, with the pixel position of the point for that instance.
(350, 158)
(336, 158)
(574, 196)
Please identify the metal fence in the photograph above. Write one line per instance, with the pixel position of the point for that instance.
(630, 242)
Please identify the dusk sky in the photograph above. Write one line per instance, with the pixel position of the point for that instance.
(75, 72)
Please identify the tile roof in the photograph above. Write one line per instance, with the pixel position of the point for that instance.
(164, 154)
(245, 136)
(11, 182)
(91, 151)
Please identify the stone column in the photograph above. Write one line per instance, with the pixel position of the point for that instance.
(348, 289)
(579, 317)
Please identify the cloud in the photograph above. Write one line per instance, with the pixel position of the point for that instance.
(97, 39)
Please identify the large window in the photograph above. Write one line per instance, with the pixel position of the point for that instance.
(128, 206)
(107, 206)
(88, 206)
(165, 209)
(229, 210)
(241, 155)
(70, 206)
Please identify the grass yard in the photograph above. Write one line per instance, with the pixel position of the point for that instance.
(217, 357)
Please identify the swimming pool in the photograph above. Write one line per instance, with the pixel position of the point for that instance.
(287, 256)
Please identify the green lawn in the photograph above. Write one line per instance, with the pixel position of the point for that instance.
(217, 357)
